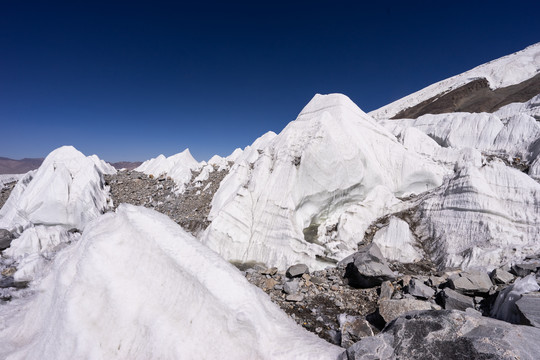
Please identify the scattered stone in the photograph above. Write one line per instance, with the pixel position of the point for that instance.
(448, 334)
(452, 300)
(297, 270)
(529, 309)
(9, 271)
(420, 290)
(271, 271)
(291, 287)
(353, 328)
(500, 276)
(391, 309)
(387, 290)
(477, 283)
(5, 238)
(368, 268)
(295, 297)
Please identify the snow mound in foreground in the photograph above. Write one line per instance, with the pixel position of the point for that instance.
(67, 189)
(274, 204)
(137, 286)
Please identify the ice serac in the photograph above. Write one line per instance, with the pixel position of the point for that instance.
(137, 286)
(504, 72)
(179, 167)
(67, 189)
(486, 214)
(285, 191)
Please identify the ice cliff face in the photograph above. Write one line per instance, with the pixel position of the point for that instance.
(136, 286)
(286, 189)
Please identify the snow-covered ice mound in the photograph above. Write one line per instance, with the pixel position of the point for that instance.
(66, 192)
(178, 167)
(332, 157)
(67, 189)
(137, 286)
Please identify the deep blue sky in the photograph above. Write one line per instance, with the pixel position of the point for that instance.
(130, 80)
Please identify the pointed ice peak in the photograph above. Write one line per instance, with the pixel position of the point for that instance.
(323, 102)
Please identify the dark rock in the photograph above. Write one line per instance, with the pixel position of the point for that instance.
(500, 276)
(477, 283)
(353, 328)
(529, 309)
(391, 309)
(448, 334)
(525, 269)
(5, 239)
(452, 300)
(420, 290)
(297, 270)
(368, 268)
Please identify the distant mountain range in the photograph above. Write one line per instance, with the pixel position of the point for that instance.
(11, 166)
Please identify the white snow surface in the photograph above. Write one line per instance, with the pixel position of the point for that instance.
(67, 190)
(505, 71)
(332, 158)
(137, 286)
(178, 167)
(397, 242)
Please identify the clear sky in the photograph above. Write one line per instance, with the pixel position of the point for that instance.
(128, 80)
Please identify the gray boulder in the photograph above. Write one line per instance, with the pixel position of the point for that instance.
(5, 239)
(367, 268)
(477, 283)
(391, 309)
(387, 290)
(529, 309)
(291, 287)
(353, 328)
(420, 290)
(500, 276)
(448, 334)
(525, 269)
(452, 300)
(297, 270)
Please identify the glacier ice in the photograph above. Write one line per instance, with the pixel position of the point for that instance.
(137, 286)
(284, 186)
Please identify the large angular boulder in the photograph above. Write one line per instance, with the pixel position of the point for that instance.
(472, 283)
(391, 309)
(420, 290)
(452, 300)
(505, 305)
(529, 309)
(448, 334)
(367, 267)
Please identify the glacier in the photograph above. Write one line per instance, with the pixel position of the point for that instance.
(137, 286)
(331, 158)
